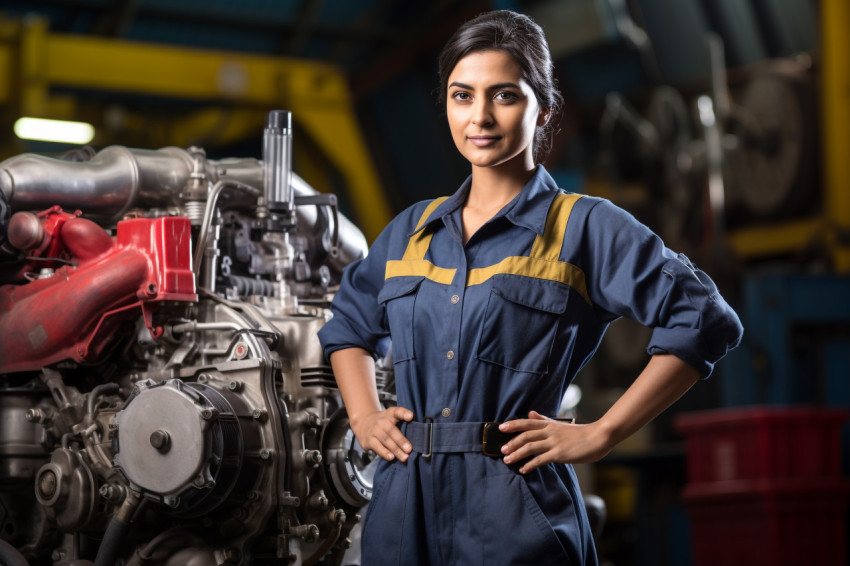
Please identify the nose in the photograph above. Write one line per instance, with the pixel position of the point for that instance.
(482, 115)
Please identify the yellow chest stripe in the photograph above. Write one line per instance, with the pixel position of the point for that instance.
(538, 268)
(419, 268)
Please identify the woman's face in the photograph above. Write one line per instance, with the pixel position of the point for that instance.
(492, 110)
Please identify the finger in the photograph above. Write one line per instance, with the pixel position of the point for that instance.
(521, 425)
(392, 438)
(534, 415)
(400, 413)
(391, 449)
(535, 462)
(401, 442)
(524, 439)
(526, 450)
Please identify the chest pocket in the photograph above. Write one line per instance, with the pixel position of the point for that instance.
(398, 297)
(521, 322)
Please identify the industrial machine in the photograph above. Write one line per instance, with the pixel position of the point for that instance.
(163, 394)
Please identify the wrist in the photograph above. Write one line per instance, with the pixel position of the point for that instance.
(607, 434)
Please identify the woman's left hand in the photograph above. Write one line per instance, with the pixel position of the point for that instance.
(543, 440)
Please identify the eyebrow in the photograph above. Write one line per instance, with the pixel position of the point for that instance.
(491, 87)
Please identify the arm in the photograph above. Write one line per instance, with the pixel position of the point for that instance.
(375, 428)
(544, 440)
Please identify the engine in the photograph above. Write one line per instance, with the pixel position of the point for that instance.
(163, 394)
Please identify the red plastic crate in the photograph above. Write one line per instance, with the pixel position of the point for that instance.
(762, 442)
(768, 523)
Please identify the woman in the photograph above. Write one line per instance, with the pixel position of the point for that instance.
(494, 298)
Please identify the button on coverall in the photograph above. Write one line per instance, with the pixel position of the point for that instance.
(491, 330)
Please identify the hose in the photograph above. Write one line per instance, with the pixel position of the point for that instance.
(116, 532)
(112, 542)
(97, 392)
(9, 555)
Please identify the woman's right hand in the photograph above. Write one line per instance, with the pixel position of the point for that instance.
(378, 431)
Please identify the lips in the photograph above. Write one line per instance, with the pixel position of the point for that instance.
(483, 141)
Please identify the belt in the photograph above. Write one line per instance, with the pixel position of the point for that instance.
(429, 437)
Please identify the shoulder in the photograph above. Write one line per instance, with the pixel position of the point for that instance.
(408, 218)
(392, 241)
(591, 214)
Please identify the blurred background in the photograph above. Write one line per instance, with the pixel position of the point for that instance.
(722, 124)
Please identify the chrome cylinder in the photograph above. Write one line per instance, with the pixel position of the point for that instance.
(277, 160)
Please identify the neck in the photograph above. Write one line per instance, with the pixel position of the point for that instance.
(493, 187)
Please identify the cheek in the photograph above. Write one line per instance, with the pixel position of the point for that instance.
(456, 121)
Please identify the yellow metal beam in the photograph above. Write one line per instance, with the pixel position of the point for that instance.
(183, 72)
(835, 119)
(338, 134)
(774, 240)
(318, 94)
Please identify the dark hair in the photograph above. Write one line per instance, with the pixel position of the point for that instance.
(521, 38)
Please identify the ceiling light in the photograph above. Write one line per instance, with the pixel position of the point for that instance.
(54, 130)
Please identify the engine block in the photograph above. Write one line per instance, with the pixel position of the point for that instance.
(163, 395)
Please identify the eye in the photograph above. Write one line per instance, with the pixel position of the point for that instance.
(505, 97)
(461, 96)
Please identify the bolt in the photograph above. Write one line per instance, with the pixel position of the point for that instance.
(208, 414)
(160, 440)
(235, 385)
(337, 516)
(310, 533)
(113, 493)
(320, 502)
(47, 484)
(240, 351)
(254, 495)
(265, 454)
(313, 457)
(314, 420)
(259, 415)
(34, 415)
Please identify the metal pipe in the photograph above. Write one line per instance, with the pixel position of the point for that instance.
(212, 201)
(115, 180)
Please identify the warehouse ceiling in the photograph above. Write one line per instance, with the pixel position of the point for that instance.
(369, 39)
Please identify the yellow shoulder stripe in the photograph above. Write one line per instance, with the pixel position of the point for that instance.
(548, 246)
(418, 244)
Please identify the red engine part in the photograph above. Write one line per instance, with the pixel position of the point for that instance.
(74, 313)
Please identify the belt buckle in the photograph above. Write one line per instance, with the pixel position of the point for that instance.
(430, 422)
(492, 440)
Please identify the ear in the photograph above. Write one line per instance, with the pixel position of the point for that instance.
(543, 117)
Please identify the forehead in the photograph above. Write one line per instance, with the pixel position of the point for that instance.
(485, 67)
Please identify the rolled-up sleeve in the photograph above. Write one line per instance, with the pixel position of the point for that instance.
(633, 274)
(358, 319)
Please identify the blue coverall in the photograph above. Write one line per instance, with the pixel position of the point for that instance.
(490, 330)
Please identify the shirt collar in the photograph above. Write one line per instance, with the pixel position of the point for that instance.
(528, 209)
